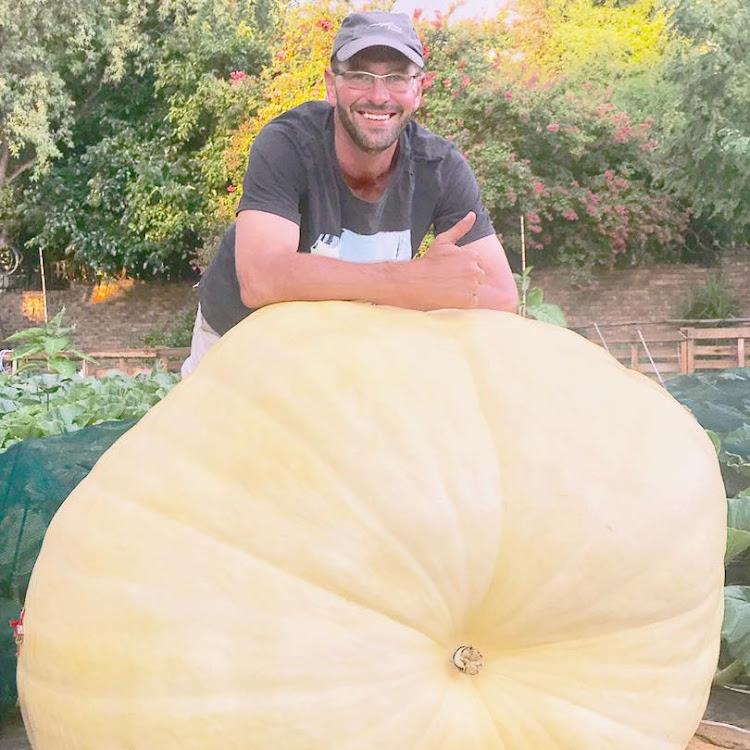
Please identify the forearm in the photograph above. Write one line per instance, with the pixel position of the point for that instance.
(306, 277)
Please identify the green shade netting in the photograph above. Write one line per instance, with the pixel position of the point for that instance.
(35, 477)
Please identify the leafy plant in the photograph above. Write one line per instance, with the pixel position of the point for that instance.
(178, 335)
(712, 300)
(38, 405)
(721, 402)
(532, 304)
(48, 344)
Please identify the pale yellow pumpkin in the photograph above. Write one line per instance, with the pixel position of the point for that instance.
(287, 552)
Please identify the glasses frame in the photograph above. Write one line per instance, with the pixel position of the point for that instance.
(375, 76)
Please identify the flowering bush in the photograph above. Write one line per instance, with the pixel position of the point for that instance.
(555, 151)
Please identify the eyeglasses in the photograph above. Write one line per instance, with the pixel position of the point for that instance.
(361, 80)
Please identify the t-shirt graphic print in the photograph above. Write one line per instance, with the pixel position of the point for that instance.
(365, 248)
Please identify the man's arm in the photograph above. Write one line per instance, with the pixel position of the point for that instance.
(270, 270)
(498, 290)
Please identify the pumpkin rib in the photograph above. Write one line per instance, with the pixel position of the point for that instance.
(583, 709)
(259, 559)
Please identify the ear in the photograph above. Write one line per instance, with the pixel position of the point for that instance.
(330, 80)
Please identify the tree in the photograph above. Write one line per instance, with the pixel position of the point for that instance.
(132, 171)
(706, 149)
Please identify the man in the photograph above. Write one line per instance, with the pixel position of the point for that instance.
(338, 193)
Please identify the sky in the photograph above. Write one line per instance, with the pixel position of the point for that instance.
(468, 9)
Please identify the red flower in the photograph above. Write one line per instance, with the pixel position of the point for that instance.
(508, 96)
(237, 75)
(324, 23)
(417, 14)
(231, 188)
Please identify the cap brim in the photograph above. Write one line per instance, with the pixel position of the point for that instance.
(351, 49)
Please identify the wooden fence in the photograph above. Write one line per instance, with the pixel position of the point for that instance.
(660, 355)
(679, 352)
(130, 361)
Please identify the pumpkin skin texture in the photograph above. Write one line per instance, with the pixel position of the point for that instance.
(285, 553)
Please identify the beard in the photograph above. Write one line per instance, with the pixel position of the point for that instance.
(376, 139)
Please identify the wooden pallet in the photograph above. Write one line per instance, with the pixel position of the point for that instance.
(711, 735)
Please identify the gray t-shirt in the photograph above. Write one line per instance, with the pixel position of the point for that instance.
(293, 172)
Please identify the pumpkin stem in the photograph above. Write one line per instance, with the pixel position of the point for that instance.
(467, 659)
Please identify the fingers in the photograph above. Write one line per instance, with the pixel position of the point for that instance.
(458, 230)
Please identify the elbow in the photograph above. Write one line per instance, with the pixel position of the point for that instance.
(252, 276)
(502, 298)
(509, 300)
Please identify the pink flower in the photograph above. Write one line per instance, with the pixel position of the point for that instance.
(538, 188)
(553, 127)
(570, 214)
(324, 23)
(465, 81)
(508, 96)
(428, 81)
(609, 175)
(237, 75)
(231, 188)
(417, 13)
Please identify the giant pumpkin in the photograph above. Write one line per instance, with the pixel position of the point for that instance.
(361, 528)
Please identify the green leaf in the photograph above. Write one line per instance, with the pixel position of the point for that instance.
(28, 350)
(27, 333)
(736, 626)
(738, 523)
(715, 439)
(63, 366)
(548, 313)
(68, 414)
(54, 345)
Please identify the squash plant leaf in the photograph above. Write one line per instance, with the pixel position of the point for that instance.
(736, 627)
(738, 523)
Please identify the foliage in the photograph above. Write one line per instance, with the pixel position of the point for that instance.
(40, 405)
(294, 76)
(557, 151)
(136, 183)
(721, 403)
(599, 40)
(531, 301)
(706, 146)
(178, 335)
(46, 347)
(712, 300)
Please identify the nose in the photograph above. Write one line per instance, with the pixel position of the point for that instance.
(379, 93)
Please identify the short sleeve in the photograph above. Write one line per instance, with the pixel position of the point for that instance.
(275, 175)
(459, 195)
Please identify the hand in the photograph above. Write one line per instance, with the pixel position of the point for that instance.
(451, 275)
(451, 236)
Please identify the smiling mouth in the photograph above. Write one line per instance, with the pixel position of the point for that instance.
(378, 116)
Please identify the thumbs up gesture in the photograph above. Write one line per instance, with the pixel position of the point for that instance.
(452, 275)
(451, 236)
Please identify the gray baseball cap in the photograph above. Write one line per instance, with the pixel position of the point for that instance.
(378, 29)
